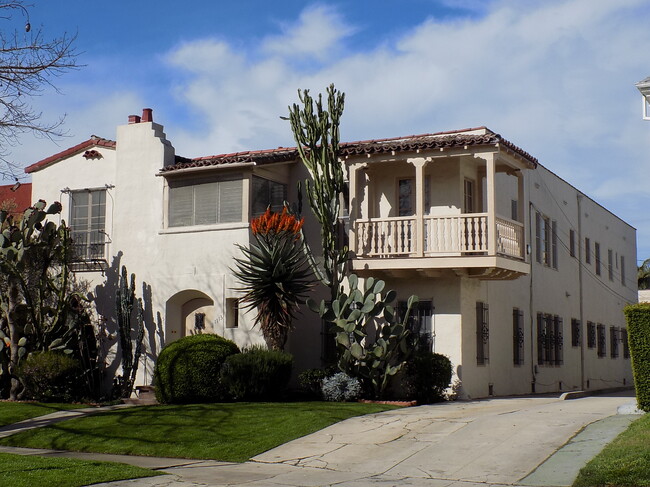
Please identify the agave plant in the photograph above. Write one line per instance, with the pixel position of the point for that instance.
(274, 274)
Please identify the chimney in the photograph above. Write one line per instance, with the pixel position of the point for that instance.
(134, 119)
(147, 115)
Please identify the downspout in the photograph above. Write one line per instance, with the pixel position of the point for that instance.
(530, 292)
(582, 323)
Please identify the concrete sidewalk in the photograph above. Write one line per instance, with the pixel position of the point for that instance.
(495, 442)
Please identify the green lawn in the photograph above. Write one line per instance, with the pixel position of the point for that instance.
(30, 470)
(13, 412)
(624, 462)
(227, 432)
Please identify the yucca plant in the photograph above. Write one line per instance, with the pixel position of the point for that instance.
(274, 274)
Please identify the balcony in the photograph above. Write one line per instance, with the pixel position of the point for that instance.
(446, 242)
(89, 250)
(452, 235)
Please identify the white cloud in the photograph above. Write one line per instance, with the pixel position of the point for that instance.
(317, 33)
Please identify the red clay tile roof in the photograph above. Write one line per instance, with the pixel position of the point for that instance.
(22, 197)
(450, 139)
(93, 141)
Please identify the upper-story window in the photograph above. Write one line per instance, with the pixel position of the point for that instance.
(546, 250)
(205, 202)
(267, 194)
(87, 223)
(406, 196)
(468, 196)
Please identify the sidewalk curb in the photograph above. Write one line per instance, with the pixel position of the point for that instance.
(596, 392)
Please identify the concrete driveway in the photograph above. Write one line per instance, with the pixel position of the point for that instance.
(494, 442)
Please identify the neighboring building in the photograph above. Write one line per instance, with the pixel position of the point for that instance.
(16, 198)
(522, 278)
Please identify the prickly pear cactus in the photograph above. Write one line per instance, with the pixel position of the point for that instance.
(373, 344)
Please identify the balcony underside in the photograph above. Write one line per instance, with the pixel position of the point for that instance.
(478, 267)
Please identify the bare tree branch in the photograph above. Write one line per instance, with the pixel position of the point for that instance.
(29, 63)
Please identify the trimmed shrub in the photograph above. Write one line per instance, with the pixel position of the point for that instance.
(50, 376)
(638, 330)
(188, 370)
(341, 387)
(257, 374)
(427, 376)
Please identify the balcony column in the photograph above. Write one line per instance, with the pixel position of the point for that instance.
(490, 170)
(522, 215)
(419, 163)
(355, 204)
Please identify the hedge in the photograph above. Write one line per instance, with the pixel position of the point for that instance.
(188, 370)
(638, 328)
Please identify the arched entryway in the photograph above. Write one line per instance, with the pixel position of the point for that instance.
(188, 312)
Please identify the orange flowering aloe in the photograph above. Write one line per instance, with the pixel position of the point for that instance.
(274, 274)
(276, 223)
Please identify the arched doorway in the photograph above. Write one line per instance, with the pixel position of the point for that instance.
(188, 312)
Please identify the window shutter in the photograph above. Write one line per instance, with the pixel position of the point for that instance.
(205, 203)
(230, 196)
(554, 243)
(180, 206)
(538, 237)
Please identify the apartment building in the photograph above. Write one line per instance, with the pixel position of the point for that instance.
(521, 277)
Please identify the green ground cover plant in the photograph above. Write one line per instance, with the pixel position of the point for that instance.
(624, 462)
(30, 470)
(13, 412)
(226, 432)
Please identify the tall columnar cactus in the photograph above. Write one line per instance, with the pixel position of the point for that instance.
(130, 321)
(316, 132)
(373, 341)
(36, 308)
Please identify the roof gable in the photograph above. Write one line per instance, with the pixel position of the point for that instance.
(83, 146)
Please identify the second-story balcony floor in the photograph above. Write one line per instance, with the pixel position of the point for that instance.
(457, 243)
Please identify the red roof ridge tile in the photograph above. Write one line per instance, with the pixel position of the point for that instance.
(94, 140)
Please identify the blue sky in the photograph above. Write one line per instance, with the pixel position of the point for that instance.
(554, 77)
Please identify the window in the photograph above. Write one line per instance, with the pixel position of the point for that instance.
(406, 196)
(597, 256)
(469, 196)
(518, 336)
(602, 343)
(204, 203)
(546, 240)
(87, 223)
(558, 340)
(626, 345)
(587, 251)
(610, 264)
(482, 334)
(591, 334)
(420, 323)
(613, 341)
(199, 322)
(514, 210)
(265, 194)
(576, 332)
(572, 243)
(232, 313)
(549, 339)
(622, 270)
(554, 243)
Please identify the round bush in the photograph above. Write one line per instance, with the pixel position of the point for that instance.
(50, 376)
(257, 374)
(428, 374)
(188, 370)
(341, 387)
